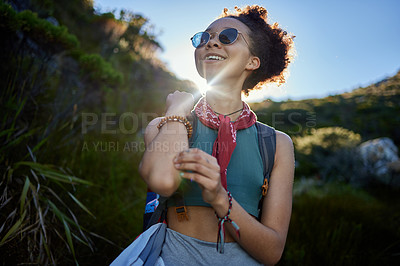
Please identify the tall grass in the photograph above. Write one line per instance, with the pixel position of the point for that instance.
(39, 212)
(336, 224)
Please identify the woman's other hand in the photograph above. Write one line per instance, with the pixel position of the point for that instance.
(205, 171)
(179, 103)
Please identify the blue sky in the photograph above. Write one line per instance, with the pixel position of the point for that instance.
(341, 45)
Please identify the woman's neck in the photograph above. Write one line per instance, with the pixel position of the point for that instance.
(224, 101)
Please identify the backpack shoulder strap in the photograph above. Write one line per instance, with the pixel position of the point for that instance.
(267, 144)
(158, 214)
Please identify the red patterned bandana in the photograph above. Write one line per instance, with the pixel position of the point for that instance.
(226, 140)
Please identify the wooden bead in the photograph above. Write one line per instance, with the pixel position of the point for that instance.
(175, 118)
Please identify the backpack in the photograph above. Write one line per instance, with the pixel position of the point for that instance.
(156, 205)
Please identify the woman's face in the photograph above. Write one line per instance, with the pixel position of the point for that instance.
(230, 60)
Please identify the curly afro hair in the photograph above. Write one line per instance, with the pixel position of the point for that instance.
(270, 43)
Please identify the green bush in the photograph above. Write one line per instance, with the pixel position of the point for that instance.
(328, 138)
(329, 153)
(8, 18)
(46, 34)
(100, 71)
(40, 30)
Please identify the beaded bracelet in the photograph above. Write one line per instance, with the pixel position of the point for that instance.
(176, 118)
(221, 226)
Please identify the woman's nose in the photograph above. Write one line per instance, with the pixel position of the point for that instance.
(213, 42)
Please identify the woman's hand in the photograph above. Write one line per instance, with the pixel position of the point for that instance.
(206, 172)
(179, 103)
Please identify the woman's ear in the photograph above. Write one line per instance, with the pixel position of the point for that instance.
(253, 64)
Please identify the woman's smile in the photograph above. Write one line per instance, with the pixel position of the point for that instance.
(213, 57)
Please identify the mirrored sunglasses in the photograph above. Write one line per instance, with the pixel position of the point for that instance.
(227, 36)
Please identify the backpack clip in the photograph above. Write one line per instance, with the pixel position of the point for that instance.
(264, 187)
(182, 213)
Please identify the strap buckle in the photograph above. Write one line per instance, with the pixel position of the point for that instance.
(264, 187)
(182, 213)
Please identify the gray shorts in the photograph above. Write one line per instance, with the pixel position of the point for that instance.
(179, 249)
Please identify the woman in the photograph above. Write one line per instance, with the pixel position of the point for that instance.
(236, 53)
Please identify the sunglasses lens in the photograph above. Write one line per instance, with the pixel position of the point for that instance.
(200, 39)
(228, 36)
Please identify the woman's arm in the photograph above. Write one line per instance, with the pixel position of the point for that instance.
(264, 241)
(156, 167)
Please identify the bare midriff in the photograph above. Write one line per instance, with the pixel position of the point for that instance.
(202, 224)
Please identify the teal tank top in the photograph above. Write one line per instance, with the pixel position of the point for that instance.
(244, 172)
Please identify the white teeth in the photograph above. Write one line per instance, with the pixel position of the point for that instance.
(214, 57)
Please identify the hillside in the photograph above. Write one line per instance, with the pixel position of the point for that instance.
(370, 111)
